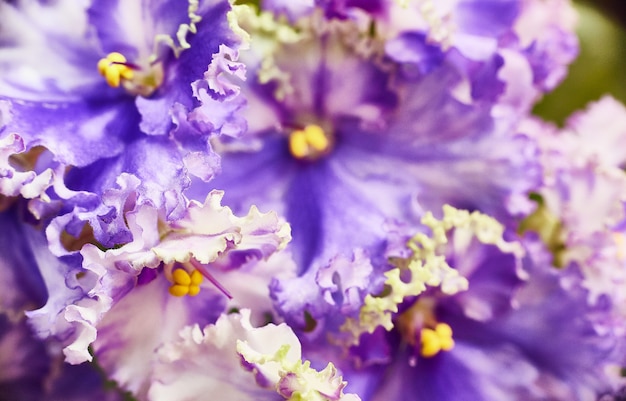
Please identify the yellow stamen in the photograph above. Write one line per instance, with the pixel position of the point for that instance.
(179, 290)
(308, 143)
(181, 277)
(114, 69)
(196, 280)
(185, 283)
(298, 145)
(434, 341)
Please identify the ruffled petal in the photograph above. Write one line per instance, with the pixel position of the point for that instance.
(255, 235)
(292, 378)
(317, 302)
(28, 184)
(205, 361)
(127, 339)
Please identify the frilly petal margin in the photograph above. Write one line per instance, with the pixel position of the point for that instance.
(103, 215)
(320, 300)
(126, 336)
(64, 288)
(261, 363)
(581, 213)
(211, 31)
(257, 235)
(108, 291)
(181, 370)
(28, 184)
(546, 31)
(162, 186)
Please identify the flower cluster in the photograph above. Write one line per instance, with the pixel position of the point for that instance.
(311, 200)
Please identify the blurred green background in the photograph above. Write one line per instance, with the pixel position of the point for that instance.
(601, 65)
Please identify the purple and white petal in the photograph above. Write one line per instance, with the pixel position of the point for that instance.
(206, 361)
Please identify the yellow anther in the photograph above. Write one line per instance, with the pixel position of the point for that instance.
(434, 341)
(316, 138)
(308, 143)
(114, 68)
(298, 145)
(179, 290)
(196, 280)
(180, 276)
(185, 283)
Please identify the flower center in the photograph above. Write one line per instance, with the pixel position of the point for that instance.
(117, 71)
(114, 68)
(436, 340)
(185, 283)
(418, 326)
(309, 143)
(186, 279)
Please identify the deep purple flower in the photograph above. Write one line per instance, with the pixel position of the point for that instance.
(510, 333)
(356, 120)
(342, 142)
(580, 212)
(112, 88)
(170, 275)
(32, 368)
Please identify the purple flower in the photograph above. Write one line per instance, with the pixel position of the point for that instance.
(580, 210)
(343, 143)
(383, 132)
(113, 299)
(542, 348)
(115, 89)
(32, 367)
(509, 333)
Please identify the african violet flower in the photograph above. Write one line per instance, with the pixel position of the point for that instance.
(113, 299)
(32, 368)
(362, 116)
(488, 331)
(348, 143)
(581, 202)
(533, 40)
(111, 89)
(342, 142)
